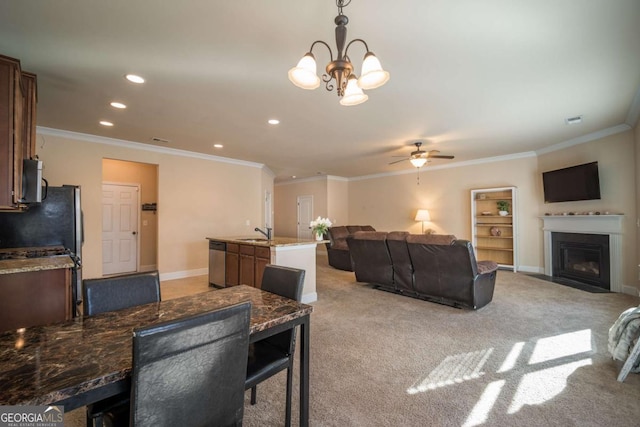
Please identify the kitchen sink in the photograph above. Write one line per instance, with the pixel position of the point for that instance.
(253, 240)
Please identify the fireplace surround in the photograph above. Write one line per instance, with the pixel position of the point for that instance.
(608, 227)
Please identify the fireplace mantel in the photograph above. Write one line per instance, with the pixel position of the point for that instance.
(610, 225)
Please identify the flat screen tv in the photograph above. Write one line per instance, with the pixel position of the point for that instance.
(580, 182)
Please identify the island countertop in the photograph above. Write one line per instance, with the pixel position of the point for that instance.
(261, 241)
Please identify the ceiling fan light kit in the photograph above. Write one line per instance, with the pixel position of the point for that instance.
(339, 72)
(419, 157)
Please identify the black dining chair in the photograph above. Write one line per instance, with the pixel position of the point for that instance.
(271, 355)
(118, 292)
(189, 371)
(111, 294)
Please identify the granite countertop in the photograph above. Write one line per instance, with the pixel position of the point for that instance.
(45, 364)
(25, 265)
(261, 241)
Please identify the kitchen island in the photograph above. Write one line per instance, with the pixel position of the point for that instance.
(247, 256)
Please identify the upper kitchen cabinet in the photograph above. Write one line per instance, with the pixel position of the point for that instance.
(29, 81)
(17, 128)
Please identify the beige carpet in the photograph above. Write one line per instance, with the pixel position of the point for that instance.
(535, 356)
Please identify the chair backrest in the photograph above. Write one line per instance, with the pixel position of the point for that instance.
(191, 371)
(402, 267)
(370, 257)
(118, 292)
(286, 282)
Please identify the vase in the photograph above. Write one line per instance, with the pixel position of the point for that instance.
(319, 236)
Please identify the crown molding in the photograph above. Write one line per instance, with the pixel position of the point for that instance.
(585, 138)
(140, 146)
(515, 156)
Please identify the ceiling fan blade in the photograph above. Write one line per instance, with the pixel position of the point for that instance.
(398, 161)
(441, 157)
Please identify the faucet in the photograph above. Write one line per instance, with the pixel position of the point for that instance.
(267, 234)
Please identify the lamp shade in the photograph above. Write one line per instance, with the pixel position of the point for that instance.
(423, 215)
(304, 74)
(353, 95)
(373, 75)
(418, 161)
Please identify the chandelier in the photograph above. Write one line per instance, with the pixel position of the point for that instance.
(348, 86)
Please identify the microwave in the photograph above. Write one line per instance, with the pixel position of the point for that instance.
(32, 181)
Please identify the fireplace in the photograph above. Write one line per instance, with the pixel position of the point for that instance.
(589, 261)
(581, 257)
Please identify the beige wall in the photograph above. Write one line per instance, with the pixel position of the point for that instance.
(286, 202)
(637, 180)
(338, 200)
(615, 155)
(197, 197)
(390, 202)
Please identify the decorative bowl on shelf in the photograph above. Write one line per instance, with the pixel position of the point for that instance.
(486, 213)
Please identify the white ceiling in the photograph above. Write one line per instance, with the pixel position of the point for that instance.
(474, 79)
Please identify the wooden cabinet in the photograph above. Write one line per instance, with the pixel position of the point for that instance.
(29, 127)
(263, 257)
(247, 265)
(494, 236)
(232, 263)
(17, 128)
(244, 264)
(34, 298)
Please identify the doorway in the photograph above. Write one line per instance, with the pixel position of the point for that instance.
(305, 215)
(145, 177)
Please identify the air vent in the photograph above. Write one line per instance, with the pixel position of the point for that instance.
(156, 139)
(573, 120)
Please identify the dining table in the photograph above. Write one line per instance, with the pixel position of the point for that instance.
(86, 359)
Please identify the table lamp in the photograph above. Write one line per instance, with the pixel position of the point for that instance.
(423, 215)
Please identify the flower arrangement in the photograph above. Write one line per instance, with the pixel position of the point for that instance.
(319, 226)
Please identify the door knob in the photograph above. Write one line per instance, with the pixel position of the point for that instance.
(134, 233)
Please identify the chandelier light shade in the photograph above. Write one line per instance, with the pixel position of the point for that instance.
(353, 94)
(340, 71)
(418, 161)
(304, 75)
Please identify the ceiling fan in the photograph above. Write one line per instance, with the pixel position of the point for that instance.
(419, 157)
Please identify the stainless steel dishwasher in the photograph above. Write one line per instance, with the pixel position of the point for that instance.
(217, 255)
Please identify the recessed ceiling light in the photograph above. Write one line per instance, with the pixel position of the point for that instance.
(134, 79)
(573, 120)
(273, 121)
(293, 176)
(119, 105)
(105, 123)
(218, 145)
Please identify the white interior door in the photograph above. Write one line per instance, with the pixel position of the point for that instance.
(119, 228)
(305, 215)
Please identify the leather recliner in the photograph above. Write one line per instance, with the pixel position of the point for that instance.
(434, 267)
(337, 248)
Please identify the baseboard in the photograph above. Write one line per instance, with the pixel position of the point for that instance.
(182, 274)
(630, 290)
(309, 298)
(530, 269)
(150, 267)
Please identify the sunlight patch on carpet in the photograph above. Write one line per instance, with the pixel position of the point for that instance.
(480, 412)
(453, 370)
(540, 386)
(559, 346)
(511, 359)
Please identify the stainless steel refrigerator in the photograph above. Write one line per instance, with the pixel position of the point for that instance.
(56, 221)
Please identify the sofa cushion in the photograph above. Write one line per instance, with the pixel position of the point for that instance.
(486, 266)
(431, 239)
(370, 235)
(353, 228)
(338, 236)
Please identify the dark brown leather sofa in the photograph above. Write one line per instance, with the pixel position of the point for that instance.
(438, 268)
(337, 248)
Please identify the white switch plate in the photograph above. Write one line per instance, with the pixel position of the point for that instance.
(248, 222)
